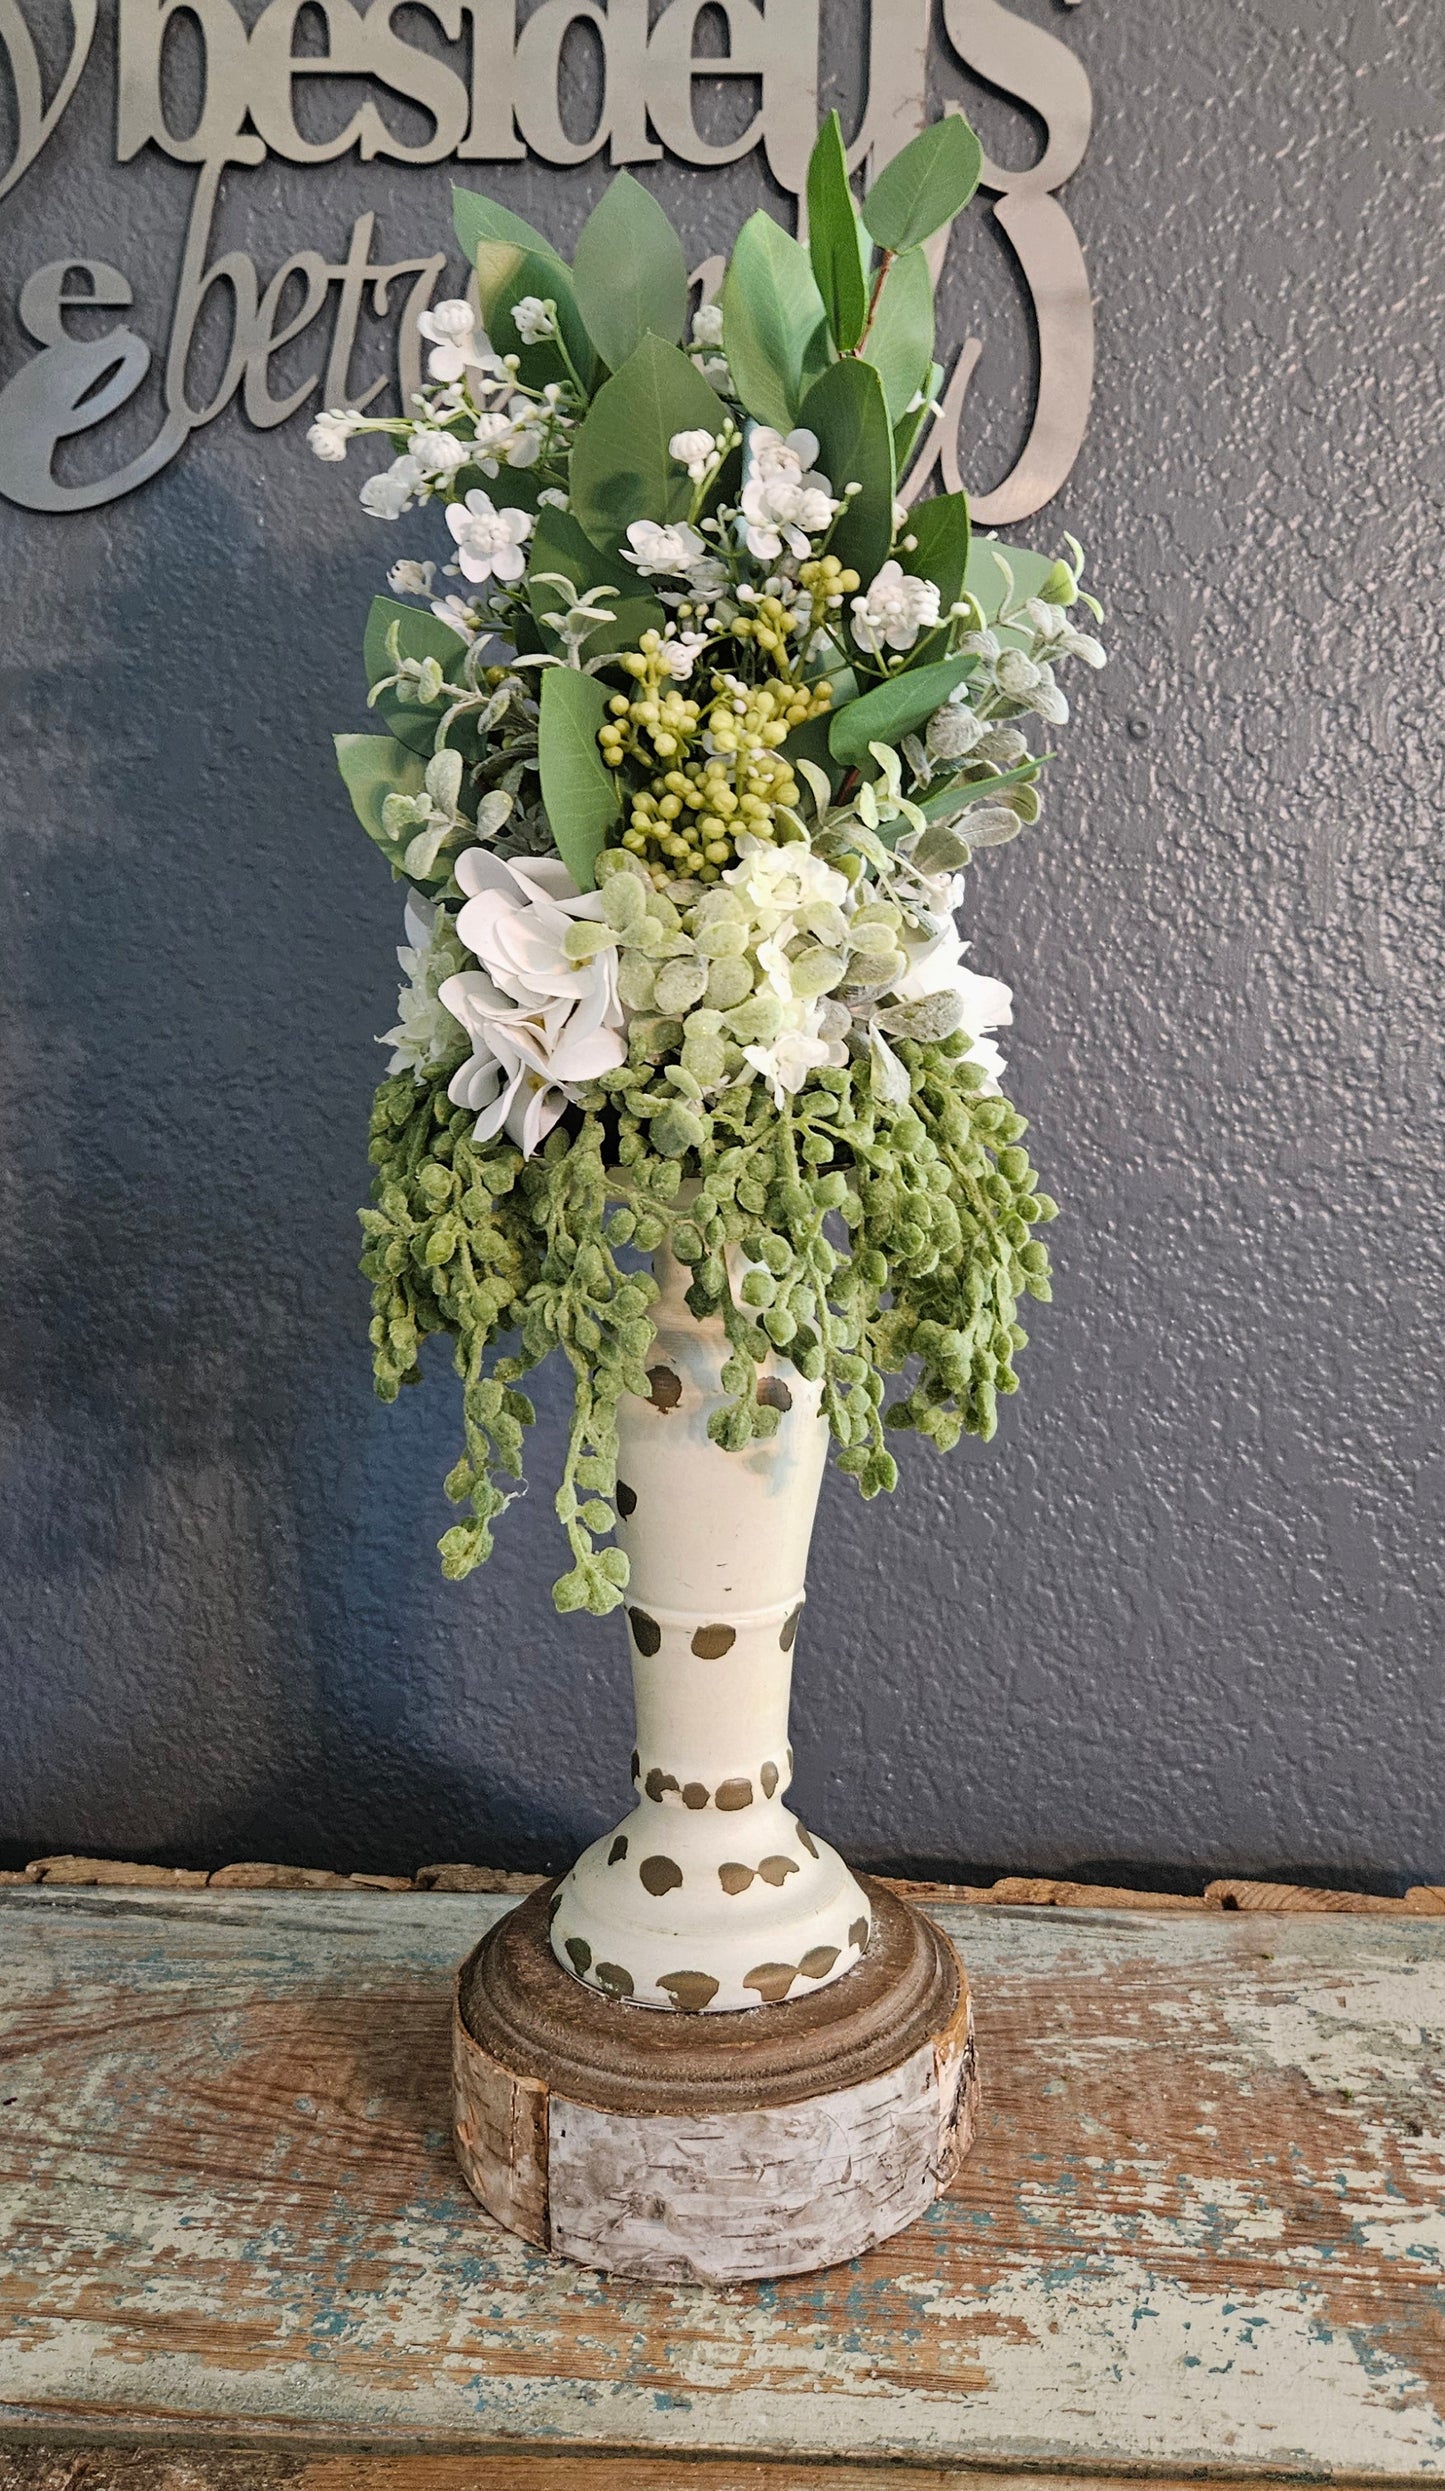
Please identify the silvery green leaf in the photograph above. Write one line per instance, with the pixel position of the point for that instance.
(681, 983)
(421, 853)
(917, 759)
(493, 810)
(584, 938)
(931, 1018)
(887, 1078)
(941, 850)
(636, 984)
(826, 921)
(989, 825)
(401, 813)
(814, 971)
(623, 902)
(818, 784)
(444, 778)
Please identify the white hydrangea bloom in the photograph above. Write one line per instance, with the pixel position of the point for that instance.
(935, 967)
(667, 550)
(777, 881)
(489, 541)
(541, 1024)
(534, 320)
(799, 1048)
(426, 1032)
(894, 610)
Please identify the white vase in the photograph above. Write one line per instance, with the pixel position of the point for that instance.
(711, 1896)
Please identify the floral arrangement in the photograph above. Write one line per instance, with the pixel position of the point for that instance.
(688, 743)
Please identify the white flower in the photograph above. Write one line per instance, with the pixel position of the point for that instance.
(451, 329)
(489, 541)
(437, 453)
(534, 320)
(330, 433)
(775, 454)
(692, 450)
(895, 609)
(411, 579)
(707, 325)
(798, 1049)
(515, 437)
(935, 967)
(680, 652)
(388, 495)
(654, 547)
(427, 1033)
(461, 612)
(777, 881)
(541, 1024)
(784, 500)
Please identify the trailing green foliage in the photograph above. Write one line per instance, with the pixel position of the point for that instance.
(879, 1238)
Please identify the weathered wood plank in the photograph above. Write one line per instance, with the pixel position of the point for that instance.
(1203, 2228)
(120, 2469)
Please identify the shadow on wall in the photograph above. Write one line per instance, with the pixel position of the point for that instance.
(213, 1531)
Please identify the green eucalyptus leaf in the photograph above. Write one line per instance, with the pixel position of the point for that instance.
(941, 528)
(925, 184)
(478, 219)
(836, 246)
(373, 768)
(909, 426)
(891, 710)
(900, 338)
(775, 329)
(419, 635)
(629, 272)
(847, 411)
(622, 468)
(578, 789)
(505, 276)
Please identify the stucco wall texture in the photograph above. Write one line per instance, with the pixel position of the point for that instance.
(1184, 1616)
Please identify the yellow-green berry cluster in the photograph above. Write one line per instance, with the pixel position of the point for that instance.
(712, 768)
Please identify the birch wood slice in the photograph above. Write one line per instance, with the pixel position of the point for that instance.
(713, 2148)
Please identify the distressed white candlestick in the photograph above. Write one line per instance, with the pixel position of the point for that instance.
(710, 1895)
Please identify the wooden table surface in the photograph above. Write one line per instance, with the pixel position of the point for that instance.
(1202, 2231)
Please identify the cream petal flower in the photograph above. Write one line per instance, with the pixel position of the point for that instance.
(541, 1024)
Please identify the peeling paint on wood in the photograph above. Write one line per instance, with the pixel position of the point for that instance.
(1200, 2228)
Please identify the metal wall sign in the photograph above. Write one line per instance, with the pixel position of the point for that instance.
(489, 90)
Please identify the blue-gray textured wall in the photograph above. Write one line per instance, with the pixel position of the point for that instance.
(1185, 1614)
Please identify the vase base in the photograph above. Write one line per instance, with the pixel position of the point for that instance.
(713, 2148)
